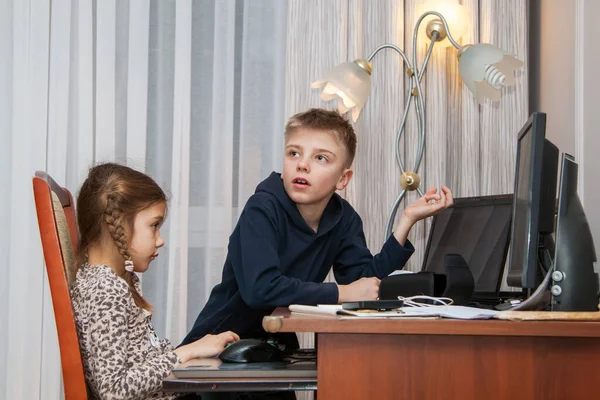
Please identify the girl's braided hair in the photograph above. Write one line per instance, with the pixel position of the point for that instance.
(108, 201)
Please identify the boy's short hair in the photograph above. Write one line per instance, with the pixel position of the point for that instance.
(326, 120)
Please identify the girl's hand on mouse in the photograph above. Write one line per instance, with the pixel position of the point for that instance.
(208, 346)
(211, 345)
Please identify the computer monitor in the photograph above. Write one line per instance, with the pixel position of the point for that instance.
(574, 281)
(533, 205)
(477, 228)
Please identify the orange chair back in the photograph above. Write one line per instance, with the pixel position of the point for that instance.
(58, 230)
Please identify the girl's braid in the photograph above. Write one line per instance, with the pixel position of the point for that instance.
(113, 215)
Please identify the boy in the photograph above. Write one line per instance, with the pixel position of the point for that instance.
(295, 228)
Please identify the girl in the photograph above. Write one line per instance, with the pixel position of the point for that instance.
(119, 213)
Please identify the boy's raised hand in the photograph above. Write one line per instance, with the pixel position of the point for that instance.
(431, 203)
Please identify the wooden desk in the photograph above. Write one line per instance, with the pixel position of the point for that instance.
(450, 359)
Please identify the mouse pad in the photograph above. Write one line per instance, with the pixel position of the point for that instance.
(215, 368)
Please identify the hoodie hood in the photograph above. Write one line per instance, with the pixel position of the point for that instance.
(331, 215)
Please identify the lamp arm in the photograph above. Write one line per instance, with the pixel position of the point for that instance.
(392, 216)
(420, 105)
(407, 102)
(419, 72)
(416, 77)
(393, 47)
(420, 110)
(434, 36)
(444, 22)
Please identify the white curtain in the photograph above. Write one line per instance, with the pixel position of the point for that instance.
(192, 92)
(196, 94)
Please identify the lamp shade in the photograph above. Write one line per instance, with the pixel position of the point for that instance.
(485, 69)
(349, 83)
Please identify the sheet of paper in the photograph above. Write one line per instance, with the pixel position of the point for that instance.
(454, 312)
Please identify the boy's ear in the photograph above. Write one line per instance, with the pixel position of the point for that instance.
(344, 179)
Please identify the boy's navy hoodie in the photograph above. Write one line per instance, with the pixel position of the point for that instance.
(275, 259)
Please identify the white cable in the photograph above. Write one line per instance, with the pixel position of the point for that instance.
(418, 301)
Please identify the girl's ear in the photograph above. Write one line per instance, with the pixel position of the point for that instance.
(344, 179)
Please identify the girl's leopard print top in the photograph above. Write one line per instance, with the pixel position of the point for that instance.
(122, 357)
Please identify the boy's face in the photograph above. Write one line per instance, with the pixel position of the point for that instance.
(314, 166)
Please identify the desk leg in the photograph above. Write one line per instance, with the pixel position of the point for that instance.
(316, 392)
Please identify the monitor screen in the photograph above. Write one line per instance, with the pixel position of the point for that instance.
(477, 228)
(534, 202)
(523, 220)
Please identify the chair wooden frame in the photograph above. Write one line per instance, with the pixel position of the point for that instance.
(70, 355)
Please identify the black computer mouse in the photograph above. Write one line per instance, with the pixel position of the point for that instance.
(251, 350)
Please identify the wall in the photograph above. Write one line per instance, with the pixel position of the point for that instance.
(552, 74)
(589, 144)
(564, 84)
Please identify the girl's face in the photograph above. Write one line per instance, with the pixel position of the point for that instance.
(146, 239)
